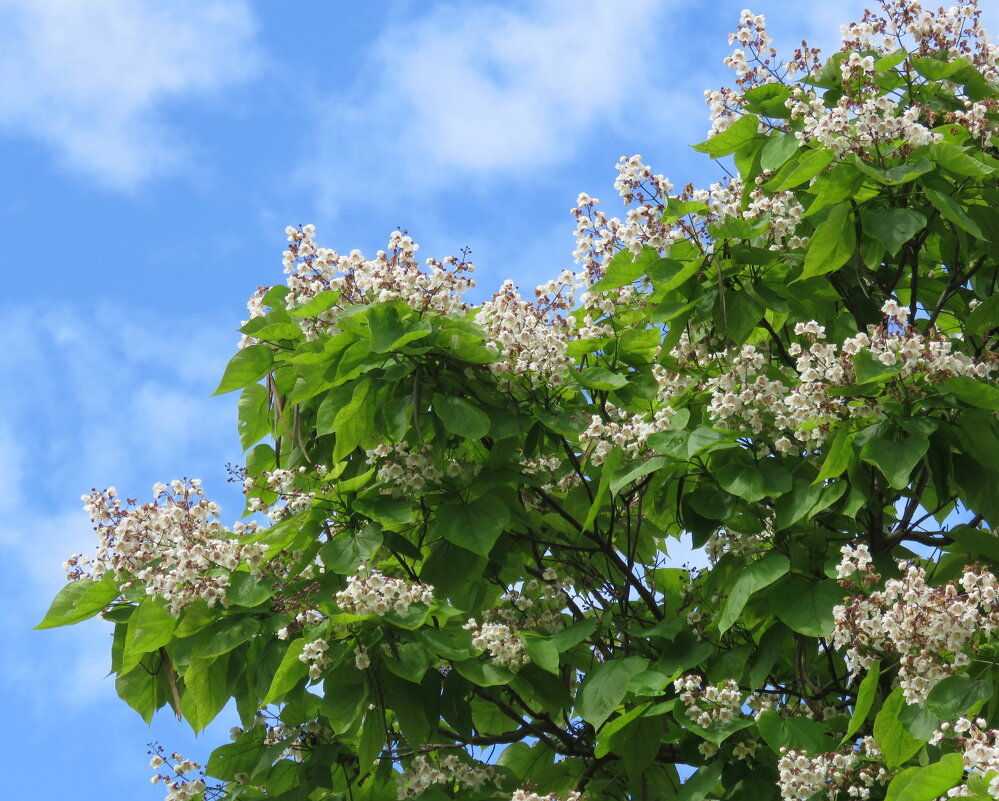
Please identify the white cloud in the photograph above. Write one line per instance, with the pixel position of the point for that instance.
(88, 78)
(467, 91)
(104, 396)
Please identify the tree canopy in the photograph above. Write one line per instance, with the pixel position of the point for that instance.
(454, 574)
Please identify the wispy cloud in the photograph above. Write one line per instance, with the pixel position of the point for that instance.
(89, 79)
(466, 92)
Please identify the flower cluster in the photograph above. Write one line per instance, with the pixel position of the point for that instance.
(448, 769)
(505, 646)
(394, 274)
(525, 795)
(930, 629)
(737, 543)
(314, 654)
(877, 122)
(530, 339)
(628, 431)
(745, 395)
(178, 787)
(284, 483)
(537, 605)
(376, 594)
(802, 776)
(980, 747)
(175, 546)
(711, 704)
(409, 470)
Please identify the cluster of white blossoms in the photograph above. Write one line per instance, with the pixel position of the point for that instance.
(849, 127)
(802, 776)
(502, 641)
(282, 482)
(376, 594)
(727, 541)
(315, 655)
(408, 471)
(980, 751)
(394, 274)
(620, 428)
(526, 795)
(745, 395)
(175, 546)
(708, 704)
(178, 787)
(536, 606)
(448, 769)
(530, 339)
(930, 629)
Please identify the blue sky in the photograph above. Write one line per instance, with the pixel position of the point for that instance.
(154, 153)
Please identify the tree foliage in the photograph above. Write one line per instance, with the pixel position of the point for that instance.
(463, 585)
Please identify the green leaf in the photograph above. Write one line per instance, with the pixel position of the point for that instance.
(141, 688)
(206, 691)
(954, 696)
(461, 417)
(150, 627)
(289, 673)
(797, 504)
(957, 161)
(768, 100)
(796, 172)
(974, 393)
(667, 275)
(605, 687)
(951, 210)
(474, 526)
(348, 550)
(275, 332)
(224, 636)
(866, 695)
(390, 512)
(601, 378)
(624, 268)
(929, 783)
(245, 590)
(832, 244)
(778, 149)
(753, 578)
(896, 744)
(984, 317)
(806, 606)
(324, 301)
(79, 600)
(738, 134)
(936, 69)
(389, 332)
(373, 737)
(753, 483)
(542, 651)
(896, 459)
(409, 660)
(254, 415)
(839, 455)
(676, 208)
(484, 672)
(869, 369)
(892, 227)
(249, 365)
(701, 782)
(241, 756)
(981, 543)
(797, 733)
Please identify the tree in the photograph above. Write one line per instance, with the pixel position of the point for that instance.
(464, 585)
